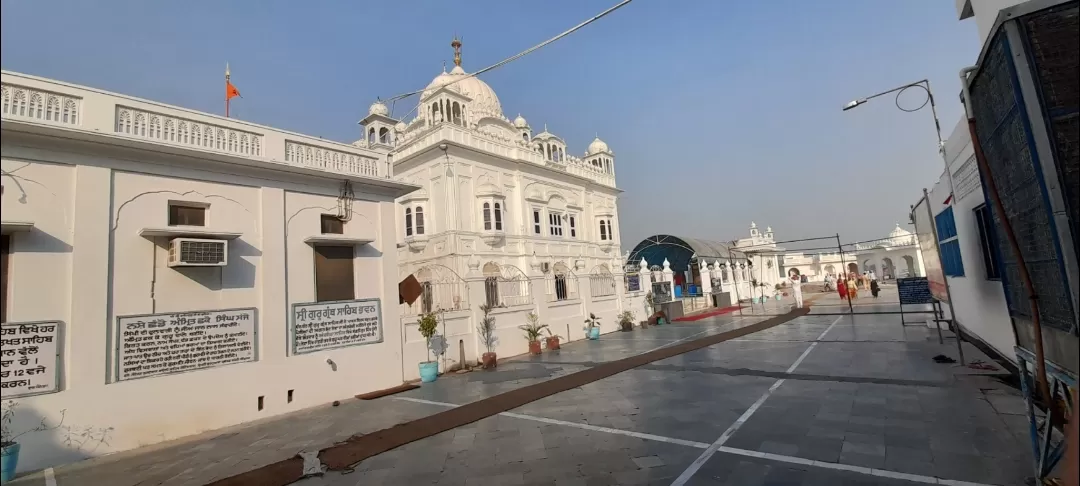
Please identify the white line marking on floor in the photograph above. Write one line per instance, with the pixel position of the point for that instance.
(822, 336)
(708, 453)
(849, 468)
(719, 448)
(50, 479)
(597, 428)
(801, 358)
(812, 346)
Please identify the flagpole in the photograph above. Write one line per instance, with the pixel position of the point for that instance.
(227, 97)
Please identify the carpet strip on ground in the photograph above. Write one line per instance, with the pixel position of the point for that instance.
(342, 456)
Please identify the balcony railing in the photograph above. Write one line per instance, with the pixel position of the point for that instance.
(504, 148)
(48, 102)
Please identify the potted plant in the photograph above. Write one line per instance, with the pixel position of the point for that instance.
(592, 327)
(533, 330)
(9, 446)
(486, 329)
(776, 292)
(552, 341)
(428, 323)
(626, 321)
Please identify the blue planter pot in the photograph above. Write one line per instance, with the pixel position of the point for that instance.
(594, 333)
(429, 371)
(9, 458)
(659, 321)
(777, 297)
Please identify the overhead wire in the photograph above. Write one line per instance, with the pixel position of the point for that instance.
(518, 55)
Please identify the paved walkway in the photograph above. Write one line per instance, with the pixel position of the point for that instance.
(818, 400)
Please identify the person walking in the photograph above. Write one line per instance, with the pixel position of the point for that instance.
(852, 287)
(841, 286)
(796, 286)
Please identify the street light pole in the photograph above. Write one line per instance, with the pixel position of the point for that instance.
(925, 86)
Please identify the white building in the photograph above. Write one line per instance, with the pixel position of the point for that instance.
(504, 216)
(978, 300)
(128, 325)
(894, 256)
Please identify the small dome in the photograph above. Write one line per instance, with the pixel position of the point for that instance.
(597, 146)
(400, 127)
(899, 232)
(520, 122)
(378, 108)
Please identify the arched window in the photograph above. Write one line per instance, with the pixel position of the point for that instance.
(52, 110)
(71, 112)
(419, 220)
(603, 230)
(408, 221)
(371, 136)
(487, 217)
(384, 135)
(525, 137)
(498, 217)
(36, 105)
(155, 125)
(456, 113)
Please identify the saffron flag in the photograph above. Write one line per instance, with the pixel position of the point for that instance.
(231, 91)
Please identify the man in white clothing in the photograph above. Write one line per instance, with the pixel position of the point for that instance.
(796, 286)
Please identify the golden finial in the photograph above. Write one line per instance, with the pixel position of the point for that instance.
(456, 44)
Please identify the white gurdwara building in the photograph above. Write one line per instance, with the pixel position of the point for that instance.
(168, 272)
(504, 216)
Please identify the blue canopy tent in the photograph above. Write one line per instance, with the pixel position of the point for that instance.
(679, 251)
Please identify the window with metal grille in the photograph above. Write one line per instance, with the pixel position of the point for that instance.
(536, 221)
(187, 215)
(491, 291)
(603, 230)
(419, 220)
(408, 221)
(988, 242)
(498, 217)
(573, 227)
(555, 223)
(332, 225)
(202, 252)
(487, 217)
(334, 273)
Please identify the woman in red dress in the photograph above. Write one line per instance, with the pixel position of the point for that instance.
(841, 287)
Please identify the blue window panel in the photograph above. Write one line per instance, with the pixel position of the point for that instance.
(951, 262)
(946, 224)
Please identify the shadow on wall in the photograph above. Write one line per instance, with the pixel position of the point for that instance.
(38, 241)
(49, 440)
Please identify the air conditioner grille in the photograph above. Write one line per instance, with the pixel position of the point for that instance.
(202, 252)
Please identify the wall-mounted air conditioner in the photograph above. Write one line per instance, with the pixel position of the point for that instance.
(196, 252)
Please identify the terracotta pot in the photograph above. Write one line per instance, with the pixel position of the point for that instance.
(489, 360)
(553, 343)
(643, 324)
(534, 347)
(626, 326)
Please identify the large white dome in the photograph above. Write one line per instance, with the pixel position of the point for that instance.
(598, 146)
(484, 101)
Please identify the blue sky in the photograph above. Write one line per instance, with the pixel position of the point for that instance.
(719, 112)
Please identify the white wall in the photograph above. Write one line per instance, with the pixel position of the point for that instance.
(979, 304)
(84, 264)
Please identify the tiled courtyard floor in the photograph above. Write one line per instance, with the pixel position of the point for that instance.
(822, 399)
